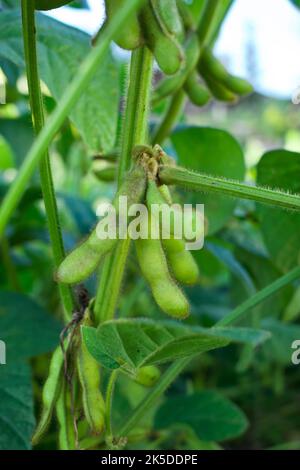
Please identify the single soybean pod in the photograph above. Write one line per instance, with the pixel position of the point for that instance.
(84, 259)
(89, 376)
(217, 89)
(50, 4)
(196, 92)
(65, 418)
(130, 37)
(147, 375)
(168, 16)
(50, 393)
(171, 85)
(219, 73)
(153, 264)
(181, 262)
(166, 49)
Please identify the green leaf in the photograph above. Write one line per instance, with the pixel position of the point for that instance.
(16, 407)
(26, 328)
(18, 133)
(279, 349)
(211, 416)
(131, 344)
(61, 50)
(216, 153)
(296, 3)
(6, 155)
(280, 229)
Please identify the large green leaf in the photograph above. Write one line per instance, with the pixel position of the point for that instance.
(280, 169)
(214, 152)
(212, 417)
(26, 328)
(134, 343)
(16, 407)
(61, 50)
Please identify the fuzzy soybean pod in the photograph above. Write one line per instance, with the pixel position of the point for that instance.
(147, 376)
(219, 73)
(165, 47)
(84, 259)
(50, 393)
(50, 4)
(168, 16)
(171, 85)
(181, 261)
(220, 92)
(153, 264)
(89, 376)
(130, 37)
(66, 436)
(195, 91)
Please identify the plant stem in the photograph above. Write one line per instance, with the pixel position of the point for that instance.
(85, 72)
(259, 297)
(108, 403)
(199, 182)
(175, 369)
(36, 104)
(168, 377)
(135, 132)
(171, 117)
(204, 29)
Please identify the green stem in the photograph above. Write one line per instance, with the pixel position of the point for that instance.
(9, 265)
(174, 370)
(171, 117)
(36, 104)
(204, 29)
(135, 132)
(199, 182)
(85, 72)
(259, 297)
(108, 403)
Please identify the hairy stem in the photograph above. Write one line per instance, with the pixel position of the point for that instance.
(68, 100)
(109, 402)
(135, 131)
(193, 181)
(36, 104)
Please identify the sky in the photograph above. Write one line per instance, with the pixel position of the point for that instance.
(269, 28)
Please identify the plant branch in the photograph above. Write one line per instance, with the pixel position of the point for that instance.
(108, 403)
(200, 182)
(135, 130)
(259, 297)
(171, 117)
(36, 104)
(85, 72)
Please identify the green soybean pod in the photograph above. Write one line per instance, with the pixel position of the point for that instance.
(181, 261)
(219, 73)
(130, 37)
(84, 259)
(50, 393)
(66, 435)
(217, 89)
(166, 49)
(89, 376)
(153, 264)
(171, 85)
(147, 376)
(168, 16)
(50, 4)
(195, 91)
